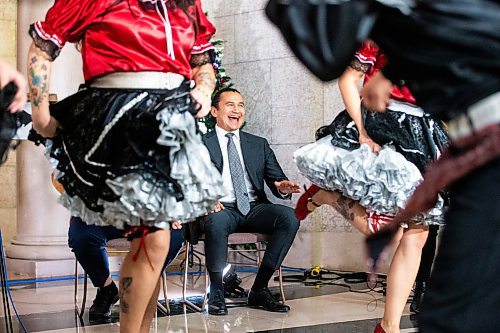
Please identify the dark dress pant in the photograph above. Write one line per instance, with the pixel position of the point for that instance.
(275, 220)
(88, 243)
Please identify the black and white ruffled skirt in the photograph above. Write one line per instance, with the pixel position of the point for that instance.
(381, 182)
(130, 157)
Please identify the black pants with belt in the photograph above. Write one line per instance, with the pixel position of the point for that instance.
(275, 220)
(464, 289)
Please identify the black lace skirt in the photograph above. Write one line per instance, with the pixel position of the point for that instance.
(420, 139)
(129, 157)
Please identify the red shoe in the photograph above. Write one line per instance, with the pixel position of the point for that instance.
(377, 221)
(379, 329)
(301, 210)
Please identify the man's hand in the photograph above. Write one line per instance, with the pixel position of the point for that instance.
(376, 93)
(9, 74)
(287, 187)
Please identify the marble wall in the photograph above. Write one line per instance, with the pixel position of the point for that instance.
(8, 40)
(285, 104)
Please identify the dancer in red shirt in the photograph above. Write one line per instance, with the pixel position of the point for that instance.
(126, 146)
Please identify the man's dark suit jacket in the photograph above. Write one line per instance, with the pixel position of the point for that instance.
(260, 162)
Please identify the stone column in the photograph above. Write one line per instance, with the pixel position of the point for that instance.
(40, 247)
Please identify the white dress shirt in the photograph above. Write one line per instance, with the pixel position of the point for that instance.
(226, 173)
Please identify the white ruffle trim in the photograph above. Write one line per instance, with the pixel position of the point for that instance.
(380, 182)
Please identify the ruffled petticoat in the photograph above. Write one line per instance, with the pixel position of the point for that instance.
(382, 182)
(133, 157)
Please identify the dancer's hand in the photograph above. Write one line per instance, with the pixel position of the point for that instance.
(287, 187)
(204, 99)
(365, 139)
(176, 225)
(9, 74)
(218, 207)
(376, 93)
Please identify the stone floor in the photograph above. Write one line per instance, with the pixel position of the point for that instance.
(333, 304)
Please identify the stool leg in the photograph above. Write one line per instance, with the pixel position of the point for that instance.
(76, 281)
(184, 285)
(280, 279)
(84, 298)
(205, 296)
(165, 291)
(259, 250)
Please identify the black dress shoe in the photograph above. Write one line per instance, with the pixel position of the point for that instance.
(217, 303)
(104, 300)
(265, 300)
(418, 295)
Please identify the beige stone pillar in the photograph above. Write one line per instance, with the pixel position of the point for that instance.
(40, 246)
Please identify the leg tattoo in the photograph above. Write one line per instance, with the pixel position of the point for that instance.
(344, 207)
(125, 284)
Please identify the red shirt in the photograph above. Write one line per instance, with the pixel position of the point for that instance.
(371, 55)
(123, 36)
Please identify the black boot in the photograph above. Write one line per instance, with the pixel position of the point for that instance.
(104, 300)
(418, 295)
(217, 303)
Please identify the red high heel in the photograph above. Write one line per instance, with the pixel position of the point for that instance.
(301, 210)
(379, 329)
(377, 221)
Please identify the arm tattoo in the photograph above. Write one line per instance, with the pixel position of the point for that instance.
(38, 79)
(125, 283)
(205, 79)
(344, 207)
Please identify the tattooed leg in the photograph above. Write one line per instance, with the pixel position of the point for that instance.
(140, 279)
(345, 207)
(125, 283)
(351, 210)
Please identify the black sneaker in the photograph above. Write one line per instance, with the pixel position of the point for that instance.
(217, 303)
(104, 300)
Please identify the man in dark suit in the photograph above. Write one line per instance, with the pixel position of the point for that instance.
(246, 161)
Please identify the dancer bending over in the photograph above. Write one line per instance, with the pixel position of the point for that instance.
(366, 164)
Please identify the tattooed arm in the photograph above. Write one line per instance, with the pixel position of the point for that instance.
(204, 75)
(39, 65)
